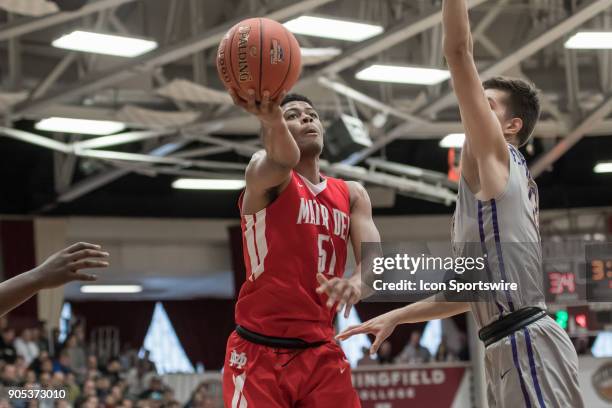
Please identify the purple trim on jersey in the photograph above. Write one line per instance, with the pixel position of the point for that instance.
(518, 369)
(484, 251)
(502, 268)
(534, 374)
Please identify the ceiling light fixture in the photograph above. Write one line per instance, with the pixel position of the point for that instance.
(333, 28)
(603, 167)
(452, 140)
(120, 46)
(208, 184)
(80, 126)
(403, 74)
(111, 289)
(590, 40)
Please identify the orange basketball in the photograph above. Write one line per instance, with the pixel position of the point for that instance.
(259, 54)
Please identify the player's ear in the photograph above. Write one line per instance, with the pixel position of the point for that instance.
(513, 126)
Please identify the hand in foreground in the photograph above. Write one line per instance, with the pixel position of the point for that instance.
(268, 111)
(343, 291)
(64, 266)
(381, 327)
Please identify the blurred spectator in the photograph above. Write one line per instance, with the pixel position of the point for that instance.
(9, 376)
(46, 366)
(45, 380)
(39, 336)
(62, 363)
(36, 365)
(138, 379)
(7, 348)
(148, 364)
(57, 345)
(79, 333)
(57, 380)
(103, 387)
(201, 398)
(73, 392)
(26, 346)
(384, 353)
(168, 395)
(155, 391)
(92, 365)
(117, 393)
(89, 390)
(125, 403)
(90, 402)
(113, 370)
(444, 353)
(129, 357)
(414, 352)
(30, 377)
(366, 359)
(62, 404)
(76, 355)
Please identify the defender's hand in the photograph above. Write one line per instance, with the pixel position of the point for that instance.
(64, 266)
(268, 111)
(344, 291)
(381, 327)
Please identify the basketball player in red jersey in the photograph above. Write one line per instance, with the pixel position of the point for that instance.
(296, 225)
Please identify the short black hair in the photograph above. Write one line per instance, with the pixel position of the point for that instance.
(523, 102)
(292, 97)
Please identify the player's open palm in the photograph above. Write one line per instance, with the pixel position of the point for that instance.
(345, 292)
(380, 327)
(267, 111)
(66, 265)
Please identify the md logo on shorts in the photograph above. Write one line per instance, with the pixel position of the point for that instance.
(237, 360)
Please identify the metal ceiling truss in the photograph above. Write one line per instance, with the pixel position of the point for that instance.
(149, 61)
(416, 188)
(167, 159)
(27, 25)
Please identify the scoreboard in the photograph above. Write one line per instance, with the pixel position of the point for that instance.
(599, 272)
(584, 275)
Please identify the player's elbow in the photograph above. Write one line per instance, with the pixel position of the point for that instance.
(456, 49)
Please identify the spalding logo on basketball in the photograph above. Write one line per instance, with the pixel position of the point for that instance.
(602, 382)
(259, 54)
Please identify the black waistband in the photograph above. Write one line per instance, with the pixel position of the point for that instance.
(510, 324)
(276, 342)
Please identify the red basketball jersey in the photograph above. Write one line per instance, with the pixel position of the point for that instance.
(304, 231)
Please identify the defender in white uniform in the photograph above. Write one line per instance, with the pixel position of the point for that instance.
(529, 359)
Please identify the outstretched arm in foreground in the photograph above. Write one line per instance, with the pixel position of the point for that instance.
(382, 326)
(60, 268)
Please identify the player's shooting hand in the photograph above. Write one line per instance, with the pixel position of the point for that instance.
(268, 111)
(65, 266)
(344, 291)
(381, 327)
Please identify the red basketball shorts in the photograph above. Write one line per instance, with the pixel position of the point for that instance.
(256, 376)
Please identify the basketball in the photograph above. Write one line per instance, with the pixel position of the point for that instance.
(259, 54)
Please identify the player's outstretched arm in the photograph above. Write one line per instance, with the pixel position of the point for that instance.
(272, 166)
(382, 326)
(60, 268)
(349, 291)
(484, 136)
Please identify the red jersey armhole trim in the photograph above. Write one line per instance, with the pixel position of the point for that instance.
(269, 206)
